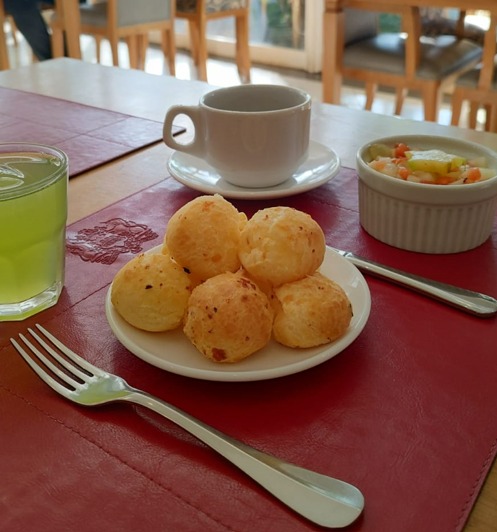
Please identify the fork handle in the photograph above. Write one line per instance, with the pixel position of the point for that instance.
(324, 500)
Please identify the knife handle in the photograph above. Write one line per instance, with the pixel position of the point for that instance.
(473, 302)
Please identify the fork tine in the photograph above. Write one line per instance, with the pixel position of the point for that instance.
(44, 376)
(62, 361)
(71, 354)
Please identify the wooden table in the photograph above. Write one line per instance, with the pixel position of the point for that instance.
(125, 90)
(149, 96)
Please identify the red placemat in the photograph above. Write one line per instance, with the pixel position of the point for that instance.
(406, 413)
(88, 135)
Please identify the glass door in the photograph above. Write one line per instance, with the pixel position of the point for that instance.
(287, 33)
(284, 33)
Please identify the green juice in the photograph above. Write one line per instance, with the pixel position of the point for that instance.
(33, 214)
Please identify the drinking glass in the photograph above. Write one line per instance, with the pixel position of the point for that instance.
(33, 215)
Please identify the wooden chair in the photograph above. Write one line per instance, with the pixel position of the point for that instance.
(199, 12)
(4, 53)
(479, 86)
(403, 61)
(125, 19)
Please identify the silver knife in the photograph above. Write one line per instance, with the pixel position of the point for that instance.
(473, 302)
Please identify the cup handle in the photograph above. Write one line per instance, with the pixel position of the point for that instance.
(196, 147)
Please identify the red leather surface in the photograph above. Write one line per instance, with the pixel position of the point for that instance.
(88, 135)
(406, 413)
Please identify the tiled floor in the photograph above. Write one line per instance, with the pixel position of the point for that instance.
(223, 73)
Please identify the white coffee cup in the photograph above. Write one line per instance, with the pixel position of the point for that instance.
(251, 135)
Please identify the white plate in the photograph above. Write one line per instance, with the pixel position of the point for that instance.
(322, 164)
(173, 352)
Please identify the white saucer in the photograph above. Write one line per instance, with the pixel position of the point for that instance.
(322, 164)
(173, 352)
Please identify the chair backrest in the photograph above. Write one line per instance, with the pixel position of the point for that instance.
(360, 24)
(133, 12)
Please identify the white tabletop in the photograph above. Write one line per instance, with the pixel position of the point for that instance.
(149, 96)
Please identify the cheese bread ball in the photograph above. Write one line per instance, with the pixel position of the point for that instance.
(311, 312)
(228, 318)
(194, 280)
(280, 245)
(204, 235)
(151, 292)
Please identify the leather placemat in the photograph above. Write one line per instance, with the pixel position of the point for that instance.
(406, 413)
(88, 135)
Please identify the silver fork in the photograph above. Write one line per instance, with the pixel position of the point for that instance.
(321, 499)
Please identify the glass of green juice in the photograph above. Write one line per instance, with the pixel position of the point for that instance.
(33, 215)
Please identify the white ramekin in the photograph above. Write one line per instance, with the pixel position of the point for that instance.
(427, 218)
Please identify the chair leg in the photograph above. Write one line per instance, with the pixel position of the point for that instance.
(400, 97)
(371, 88)
(457, 101)
(202, 50)
(4, 53)
(132, 42)
(98, 42)
(114, 46)
(57, 41)
(431, 103)
(242, 47)
(194, 40)
(488, 116)
(141, 48)
(169, 49)
(492, 118)
(473, 112)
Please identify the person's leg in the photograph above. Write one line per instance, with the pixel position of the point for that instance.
(29, 21)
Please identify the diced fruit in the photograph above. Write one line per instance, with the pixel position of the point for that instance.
(473, 175)
(380, 150)
(429, 166)
(487, 173)
(478, 161)
(445, 179)
(400, 149)
(435, 161)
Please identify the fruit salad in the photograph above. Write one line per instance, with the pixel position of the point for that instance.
(427, 166)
